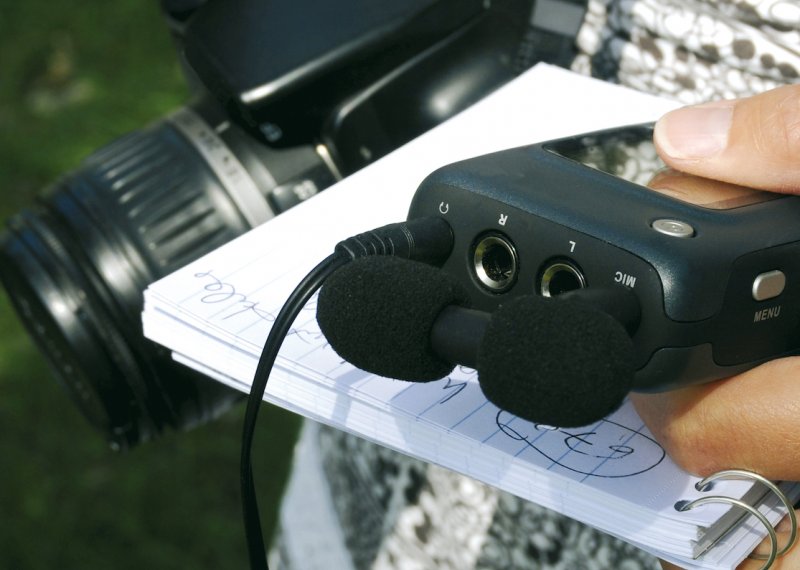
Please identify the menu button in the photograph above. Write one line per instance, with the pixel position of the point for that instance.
(768, 285)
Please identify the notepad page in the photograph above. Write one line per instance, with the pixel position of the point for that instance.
(514, 474)
(216, 313)
(604, 457)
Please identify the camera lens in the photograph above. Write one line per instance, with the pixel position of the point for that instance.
(76, 263)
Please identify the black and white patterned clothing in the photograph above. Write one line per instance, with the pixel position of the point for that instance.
(354, 505)
(692, 50)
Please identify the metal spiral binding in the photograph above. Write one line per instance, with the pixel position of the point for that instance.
(750, 476)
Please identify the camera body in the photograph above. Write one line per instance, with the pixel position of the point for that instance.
(287, 98)
(359, 78)
(715, 267)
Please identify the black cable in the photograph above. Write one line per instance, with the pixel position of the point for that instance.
(294, 304)
(428, 240)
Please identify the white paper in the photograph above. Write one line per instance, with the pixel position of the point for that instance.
(216, 313)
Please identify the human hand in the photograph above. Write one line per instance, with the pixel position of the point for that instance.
(751, 421)
(753, 142)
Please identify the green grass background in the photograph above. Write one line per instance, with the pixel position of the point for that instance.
(74, 74)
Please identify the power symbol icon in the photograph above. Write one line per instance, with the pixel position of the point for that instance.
(444, 207)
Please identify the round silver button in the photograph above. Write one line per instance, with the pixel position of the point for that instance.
(673, 228)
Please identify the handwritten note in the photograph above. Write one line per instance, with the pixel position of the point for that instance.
(215, 315)
(604, 456)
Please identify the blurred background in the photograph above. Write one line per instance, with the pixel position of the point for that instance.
(75, 74)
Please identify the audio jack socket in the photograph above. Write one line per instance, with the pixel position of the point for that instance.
(559, 277)
(494, 262)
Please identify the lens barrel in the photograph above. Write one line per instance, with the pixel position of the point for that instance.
(76, 263)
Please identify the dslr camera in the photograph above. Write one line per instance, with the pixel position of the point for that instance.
(287, 98)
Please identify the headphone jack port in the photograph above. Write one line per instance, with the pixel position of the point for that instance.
(559, 277)
(494, 262)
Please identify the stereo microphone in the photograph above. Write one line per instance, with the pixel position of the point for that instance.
(377, 313)
(557, 362)
(560, 362)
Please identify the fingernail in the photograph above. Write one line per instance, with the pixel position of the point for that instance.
(695, 132)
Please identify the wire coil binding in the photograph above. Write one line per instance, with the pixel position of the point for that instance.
(740, 474)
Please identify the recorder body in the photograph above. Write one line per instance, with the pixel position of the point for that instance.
(715, 267)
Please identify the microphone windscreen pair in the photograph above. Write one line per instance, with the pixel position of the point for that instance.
(560, 363)
(377, 313)
(557, 362)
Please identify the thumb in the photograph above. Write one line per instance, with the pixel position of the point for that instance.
(752, 142)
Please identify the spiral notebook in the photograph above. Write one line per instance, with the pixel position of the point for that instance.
(215, 315)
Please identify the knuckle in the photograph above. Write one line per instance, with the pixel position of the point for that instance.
(680, 444)
(693, 443)
(780, 131)
(789, 128)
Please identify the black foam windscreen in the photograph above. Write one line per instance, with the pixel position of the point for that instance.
(377, 313)
(556, 362)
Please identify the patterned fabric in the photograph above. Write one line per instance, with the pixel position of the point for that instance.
(692, 50)
(394, 512)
